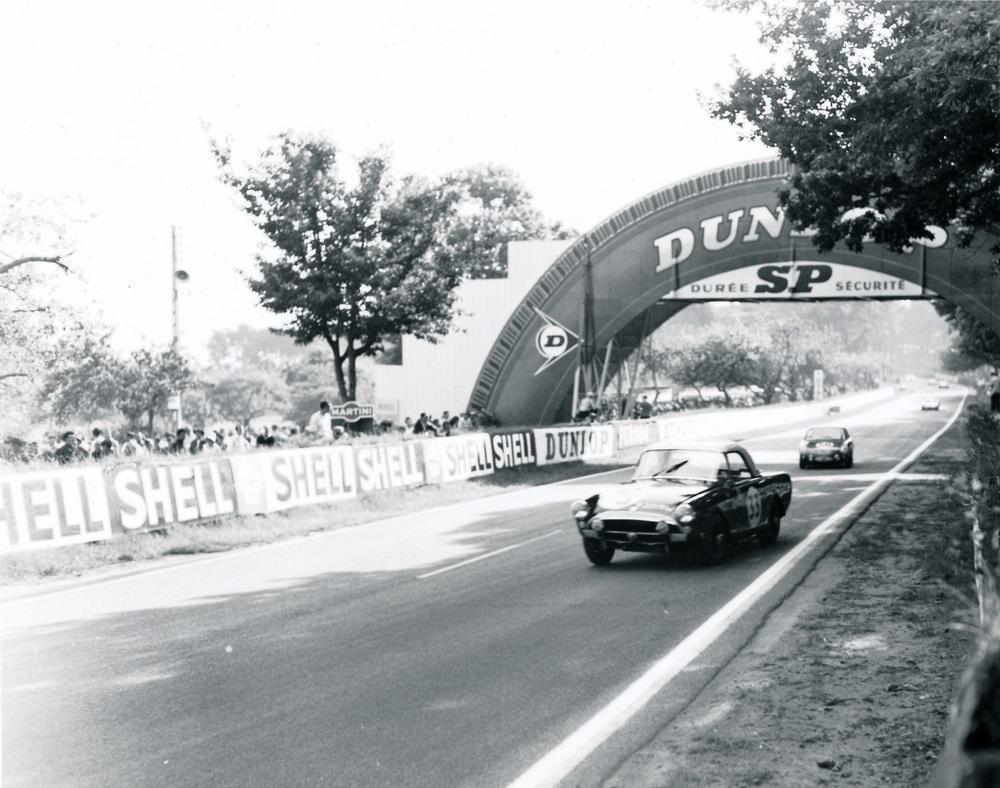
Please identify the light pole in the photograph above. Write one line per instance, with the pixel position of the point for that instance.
(177, 275)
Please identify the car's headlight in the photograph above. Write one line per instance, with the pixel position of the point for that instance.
(597, 524)
(580, 510)
(684, 513)
(662, 527)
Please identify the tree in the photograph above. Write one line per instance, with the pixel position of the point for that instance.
(82, 383)
(493, 208)
(349, 265)
(973, 344)
(719, 357)
(244, 395)
(147, 381)
(890, 110)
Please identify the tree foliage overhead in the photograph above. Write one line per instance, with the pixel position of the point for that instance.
(349, 264)
(892, 108)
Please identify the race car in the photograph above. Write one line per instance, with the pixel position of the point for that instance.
(930, 403)
(699, 495)
(832, 445)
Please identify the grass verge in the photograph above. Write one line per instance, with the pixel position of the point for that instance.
(228, 533)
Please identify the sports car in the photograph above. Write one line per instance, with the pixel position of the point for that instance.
(697, 495)
(930, 403)
(827, 445)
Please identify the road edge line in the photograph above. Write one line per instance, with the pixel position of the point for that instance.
(561, 760)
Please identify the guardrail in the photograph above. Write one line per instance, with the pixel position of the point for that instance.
(73, 505)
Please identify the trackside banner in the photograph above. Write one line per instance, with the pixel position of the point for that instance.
(513, 449)
(635, 433)
(149, 497)
(565, 444)
(270, 481)
(456, 458)
(65, 506)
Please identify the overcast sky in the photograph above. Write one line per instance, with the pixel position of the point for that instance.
(106, 107)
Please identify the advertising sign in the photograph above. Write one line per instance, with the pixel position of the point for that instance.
(636, 433)
(804, 279)
(271, 481)
(43, 508)
(388, 466)
(352, 412)
(458, 457)
(574, 443)
(513, 449)
(152, 496)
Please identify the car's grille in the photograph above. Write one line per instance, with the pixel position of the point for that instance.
(630, 526)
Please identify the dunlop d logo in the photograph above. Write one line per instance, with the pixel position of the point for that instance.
(553, 340)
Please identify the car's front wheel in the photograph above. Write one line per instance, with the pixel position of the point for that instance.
(769, 533)
(849, 460)
(802, 461)
(714, 541)
(600, 553)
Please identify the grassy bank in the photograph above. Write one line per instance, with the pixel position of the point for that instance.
(229, 533)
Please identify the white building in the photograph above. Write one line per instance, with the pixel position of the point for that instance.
(437, 377)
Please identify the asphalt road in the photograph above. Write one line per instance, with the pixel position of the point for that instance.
(375, 655)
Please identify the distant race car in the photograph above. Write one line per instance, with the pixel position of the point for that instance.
(827, 445)
(698, 495)
(943, 384)
(930, 403)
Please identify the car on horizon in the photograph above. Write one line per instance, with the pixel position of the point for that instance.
(930, 403)
(695, 495)
(827, 446)
(943, 384)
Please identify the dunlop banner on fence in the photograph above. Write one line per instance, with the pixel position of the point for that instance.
(456, 458)
(574, 443)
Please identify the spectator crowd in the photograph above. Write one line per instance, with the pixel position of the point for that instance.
(322, 428)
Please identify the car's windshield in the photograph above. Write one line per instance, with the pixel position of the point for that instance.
(679, 464)
(829, 434)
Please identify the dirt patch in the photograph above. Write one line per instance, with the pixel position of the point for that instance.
(849, 682)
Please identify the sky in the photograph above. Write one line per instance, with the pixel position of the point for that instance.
(109, 107)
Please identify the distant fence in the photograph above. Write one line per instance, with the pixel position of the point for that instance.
(87, 503)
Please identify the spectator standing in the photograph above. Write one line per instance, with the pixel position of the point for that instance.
(586, 408)
(321, 423)
(70, 449)
(643, 409)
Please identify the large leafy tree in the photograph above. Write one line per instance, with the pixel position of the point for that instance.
(890, 112)
(493, 207)
(349, 264)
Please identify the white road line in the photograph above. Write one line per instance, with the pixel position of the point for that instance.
(487, 555)
(571, 752)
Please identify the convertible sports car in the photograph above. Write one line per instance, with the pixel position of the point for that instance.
(699, 495)
(826, 445)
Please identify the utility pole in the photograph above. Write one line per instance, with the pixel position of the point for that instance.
(173, 284)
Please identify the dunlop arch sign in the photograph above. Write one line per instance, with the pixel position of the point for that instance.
(718, 236)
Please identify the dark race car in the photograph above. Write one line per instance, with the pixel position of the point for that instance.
(698, 495)
(828, 446)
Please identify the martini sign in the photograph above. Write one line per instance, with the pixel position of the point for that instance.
(805, 280)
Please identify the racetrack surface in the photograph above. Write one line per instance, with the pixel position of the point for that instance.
(383, 654)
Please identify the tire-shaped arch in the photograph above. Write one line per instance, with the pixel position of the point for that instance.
(629, 277)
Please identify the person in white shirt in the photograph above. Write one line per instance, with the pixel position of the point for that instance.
(321, 422)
